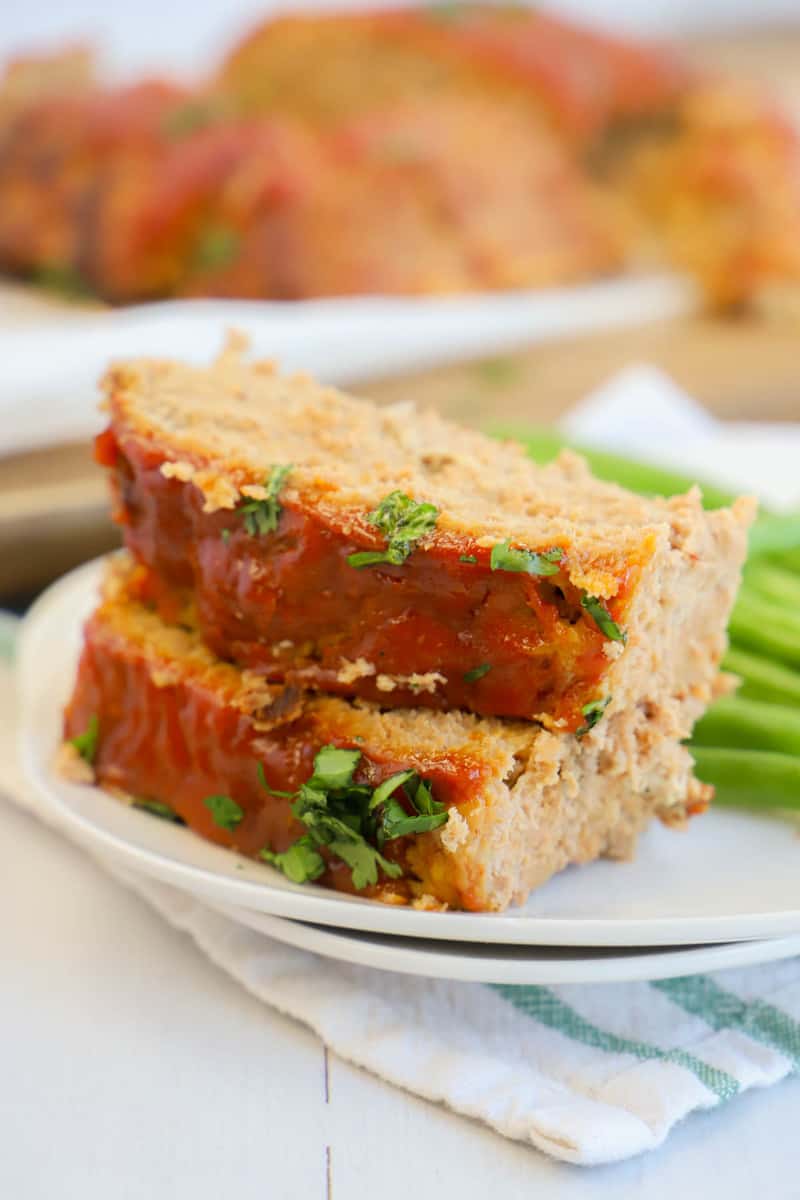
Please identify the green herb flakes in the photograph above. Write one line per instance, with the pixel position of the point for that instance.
(86, 743)
(190, 117)
(602, 618)
(403, 522)
(477, 673)
(216, 248)
(261, 516)
(592, 711)
(64, 280)
(158, 809)
(226, 812)
(301, 863)
(506, 558)
(467, 558)
(352, 821)
(497, 372)
(334, 768)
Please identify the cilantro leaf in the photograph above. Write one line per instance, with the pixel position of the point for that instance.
(261, 516)
(86, 743)
(344, 819)
(602, 618)
(396, 822)
(403, 522)
(505, 557)
(447, 12)
(190, 117)
(593, 711)
(467, 558)
(262, 779)
(477, 673)
(158, 809)
(217, 247)
(301, 863)
(226, 812)
(363, 861)
(63, 279)
(384, 790)
(334, 768)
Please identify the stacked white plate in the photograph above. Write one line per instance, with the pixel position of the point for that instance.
(723, 893)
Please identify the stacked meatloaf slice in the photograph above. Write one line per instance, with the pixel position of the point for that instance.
(386, 653)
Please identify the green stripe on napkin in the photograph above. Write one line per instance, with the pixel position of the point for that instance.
(545, 1007)
(702, 997)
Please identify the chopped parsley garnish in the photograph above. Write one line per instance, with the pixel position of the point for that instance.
(226, 812)
(261, 516)
(159, 809)
(216, 247)
(467, 558)
(602, 618)
(86, 743)
(447, 12)
(396, 821)
(64, 280)
(477, 673)
(506, 558)
(301, 863)
(403, 522)
(190, 117)
(352, 821)
(592, 711)
(497, 371)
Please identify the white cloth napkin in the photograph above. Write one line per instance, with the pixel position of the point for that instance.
(588, 1074)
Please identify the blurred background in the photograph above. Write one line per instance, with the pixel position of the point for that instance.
(708, 174)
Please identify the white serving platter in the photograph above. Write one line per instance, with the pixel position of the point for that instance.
(52, 362)
(732, 876)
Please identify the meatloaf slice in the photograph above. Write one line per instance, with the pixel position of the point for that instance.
(158, 717)
(387, 554)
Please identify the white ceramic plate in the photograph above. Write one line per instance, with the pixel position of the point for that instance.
(48, 386)
(732, 876)
(474, 962)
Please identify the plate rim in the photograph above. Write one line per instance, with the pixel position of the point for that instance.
(389, 953)
(46, 617)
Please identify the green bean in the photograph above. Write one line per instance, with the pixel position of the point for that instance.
(774, 583)
(763, 679)
(775, 533)
(772, 533)
(766, 628)
(789, 560)
(544, 444)
(735, 722)
(756, 778)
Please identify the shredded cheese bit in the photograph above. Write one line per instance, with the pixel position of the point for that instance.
(73, 766)
(417, 683)
(456, 832)
(350, 671)
(162, 677)
(184, 471)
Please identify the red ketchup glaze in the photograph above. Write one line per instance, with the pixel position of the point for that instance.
(181, 742)
(289, 605)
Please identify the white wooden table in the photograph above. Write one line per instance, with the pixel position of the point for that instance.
(133, 1069)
